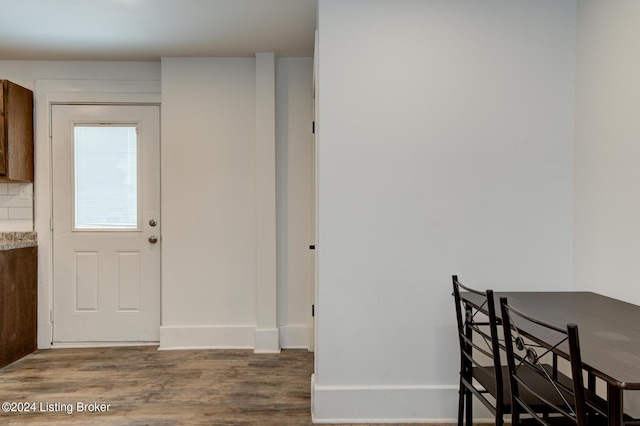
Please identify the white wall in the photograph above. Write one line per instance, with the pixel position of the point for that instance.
(25, 73)
(209, 201)
(607, 205)
(445, 147)
(295, 177)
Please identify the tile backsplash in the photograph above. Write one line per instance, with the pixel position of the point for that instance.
(16, 206)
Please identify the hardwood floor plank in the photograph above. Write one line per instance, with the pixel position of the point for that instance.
(144, 386)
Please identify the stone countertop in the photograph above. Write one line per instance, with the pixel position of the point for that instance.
(14, 240)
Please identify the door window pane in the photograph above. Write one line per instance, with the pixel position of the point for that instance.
(106, 177)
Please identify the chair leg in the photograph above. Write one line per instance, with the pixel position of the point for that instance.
(461, 392)
(469, 408)
(499, 416)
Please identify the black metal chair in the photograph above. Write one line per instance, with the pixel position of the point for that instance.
(478, 335)
(482, 373)
(528, 340)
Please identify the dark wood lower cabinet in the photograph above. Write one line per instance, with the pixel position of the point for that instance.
(18, 303)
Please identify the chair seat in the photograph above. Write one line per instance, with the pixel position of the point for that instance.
(486, 377)
(562, 421)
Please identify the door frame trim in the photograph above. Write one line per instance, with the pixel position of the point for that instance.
(48, 93)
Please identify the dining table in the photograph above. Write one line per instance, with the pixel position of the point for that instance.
(609, 331)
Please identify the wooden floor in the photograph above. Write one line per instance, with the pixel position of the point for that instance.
(144, 386)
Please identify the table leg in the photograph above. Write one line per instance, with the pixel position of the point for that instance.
(591, 380)
(614, 401)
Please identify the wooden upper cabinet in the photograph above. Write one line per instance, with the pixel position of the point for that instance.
(16, 133)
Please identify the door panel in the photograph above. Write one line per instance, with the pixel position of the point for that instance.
(106, 207)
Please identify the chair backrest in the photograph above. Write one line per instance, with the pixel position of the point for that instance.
(527, 341)
(479, 339)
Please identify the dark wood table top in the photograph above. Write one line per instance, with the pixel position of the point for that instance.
(609, 329)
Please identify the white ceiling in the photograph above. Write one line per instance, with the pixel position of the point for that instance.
(146, 30)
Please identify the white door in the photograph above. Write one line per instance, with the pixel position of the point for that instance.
(106, 223)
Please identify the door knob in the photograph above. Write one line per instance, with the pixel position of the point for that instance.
(152, 222)
(153, 239)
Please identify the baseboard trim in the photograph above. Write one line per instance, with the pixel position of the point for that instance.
(235, 337)
(384, 404)
(207, 337)
(295, 336)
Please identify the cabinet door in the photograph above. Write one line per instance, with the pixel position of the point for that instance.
(3, 132)
(19, 121)
(16, 133)
(18, 303)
